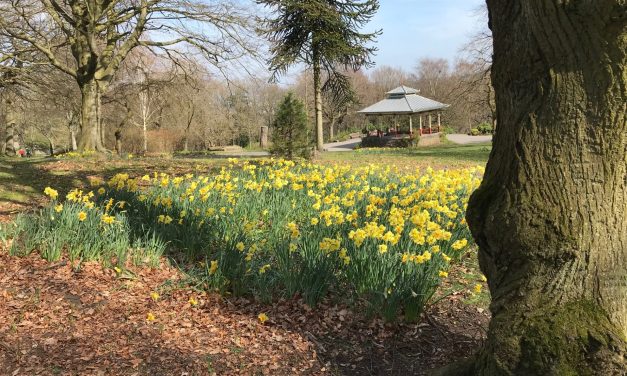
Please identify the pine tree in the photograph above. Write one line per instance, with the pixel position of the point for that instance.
(323, 34)
(290, 136)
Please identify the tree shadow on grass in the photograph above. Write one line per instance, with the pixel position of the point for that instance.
(22, 180)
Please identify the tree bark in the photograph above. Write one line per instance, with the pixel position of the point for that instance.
(263, 137)
(90, 139)
(73, 140)
(145, 136)
(12, 144)
(118, 141)
(318, 102)
(550, 217)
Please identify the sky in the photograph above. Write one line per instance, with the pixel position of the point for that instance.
(413, 29)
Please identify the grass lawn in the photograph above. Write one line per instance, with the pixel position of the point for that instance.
(22, 180)
(441, 156)
(107, 315)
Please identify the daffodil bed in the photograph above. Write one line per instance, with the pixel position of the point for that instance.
(273, 228)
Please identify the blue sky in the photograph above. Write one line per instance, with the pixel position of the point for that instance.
(413, 29)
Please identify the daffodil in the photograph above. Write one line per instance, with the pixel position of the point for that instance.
(108, 219)
(213, 268)
(52, 193)
(262, 318)
(383, 248)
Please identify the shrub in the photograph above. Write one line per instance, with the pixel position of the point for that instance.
(485, 128)
(290, 136)
(474, 132)
(381, 142)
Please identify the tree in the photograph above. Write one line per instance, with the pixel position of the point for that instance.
(336, 106)
(150, 100)
(550, 216)
(432, 73)
(89, 39)
(323, 34)
(11, 86)
(476, 83)
(290, 136)
(386, 78)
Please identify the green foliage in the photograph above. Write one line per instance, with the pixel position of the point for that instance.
(59, 228)
(320, 32)
(474, 132)
(323, 34)
(290, 136)
(485, 128)
(448, 130)
(343, 136)
(381, 142)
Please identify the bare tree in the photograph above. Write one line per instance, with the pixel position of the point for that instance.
(431, 75)
(337, 105)
(386, 78)
(100, 34)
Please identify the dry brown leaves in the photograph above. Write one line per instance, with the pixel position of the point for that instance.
(55, 320)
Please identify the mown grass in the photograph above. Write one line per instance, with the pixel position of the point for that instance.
(22, 180)
(441, 156)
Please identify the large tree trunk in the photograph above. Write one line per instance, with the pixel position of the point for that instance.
(73, 140)
(12, 144)
(90, 139)
(550, 217)
(318, 102)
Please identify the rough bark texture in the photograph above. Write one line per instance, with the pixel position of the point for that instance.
(550, 217)
(318, 103)
(12, 144)
(90, 123)
(263, 137)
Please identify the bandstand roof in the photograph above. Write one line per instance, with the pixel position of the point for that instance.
(403, 100)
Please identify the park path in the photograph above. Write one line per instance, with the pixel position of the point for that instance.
(350, 145)
(464, 139)
(343, 146)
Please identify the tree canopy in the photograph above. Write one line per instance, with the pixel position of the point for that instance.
(324, 34)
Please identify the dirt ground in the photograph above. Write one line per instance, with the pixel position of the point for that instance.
(56, 320)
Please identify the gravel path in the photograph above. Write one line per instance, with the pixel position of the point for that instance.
(464, 139)
(349, 145)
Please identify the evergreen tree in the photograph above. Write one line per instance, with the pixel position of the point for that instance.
(290, 136)
(323, 34)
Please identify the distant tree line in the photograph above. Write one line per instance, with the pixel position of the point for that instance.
(175, 92)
